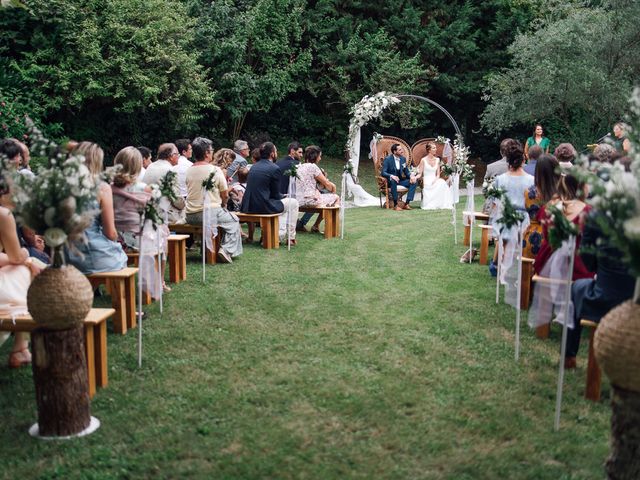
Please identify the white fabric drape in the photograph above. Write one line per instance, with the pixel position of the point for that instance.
(361, 198)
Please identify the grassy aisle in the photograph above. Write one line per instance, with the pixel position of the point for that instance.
(379, 356)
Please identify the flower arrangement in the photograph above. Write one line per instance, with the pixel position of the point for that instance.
(511, 216)
(490, 191)
(377, 136)
(348, 168)
(442, 139)
(153, 208)
(560, 229)
(168, 186)
(60, 202)
(367, 109)
(209, 183)
(460, 164)
(292, 171)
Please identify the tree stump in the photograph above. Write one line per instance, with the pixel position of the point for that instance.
(60, 377)
(624, 459)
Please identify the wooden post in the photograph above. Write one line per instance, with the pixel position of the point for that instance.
(60, 377)
(624, 460)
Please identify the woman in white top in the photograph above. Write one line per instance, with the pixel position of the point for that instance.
(436, 194)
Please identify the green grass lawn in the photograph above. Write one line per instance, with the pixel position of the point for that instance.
(379, 356)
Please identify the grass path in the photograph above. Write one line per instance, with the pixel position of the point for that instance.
(379, 356)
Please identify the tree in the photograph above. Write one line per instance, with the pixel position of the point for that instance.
(115, 71)
(574, 73)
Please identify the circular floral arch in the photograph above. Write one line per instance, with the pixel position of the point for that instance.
(367, 109)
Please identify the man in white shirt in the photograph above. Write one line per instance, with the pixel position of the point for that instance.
(184, 148)
(166, 162)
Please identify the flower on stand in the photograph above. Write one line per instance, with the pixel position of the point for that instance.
(460, 164)
(442, 139)
(60, 202)
(292, 171)
(153, 208)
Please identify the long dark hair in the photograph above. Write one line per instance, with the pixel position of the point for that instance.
(547, 177)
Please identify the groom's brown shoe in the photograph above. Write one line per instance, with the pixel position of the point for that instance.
(397, 208)
(406, 207)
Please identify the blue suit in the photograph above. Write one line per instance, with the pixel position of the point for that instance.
(403, 174)
(263, 189)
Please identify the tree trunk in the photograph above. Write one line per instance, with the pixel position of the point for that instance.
(60, 377)
(624, 460)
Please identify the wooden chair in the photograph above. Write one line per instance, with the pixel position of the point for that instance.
(95, 342)
(594, 374)
(384, 150)
(419, 151)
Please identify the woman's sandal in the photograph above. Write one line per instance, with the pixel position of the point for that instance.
(19, 358)
(315, 229)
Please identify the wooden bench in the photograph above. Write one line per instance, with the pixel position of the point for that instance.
(196, 232)
(330, 217)
(122, 288)
(269, 224)
(482, 217)
(95, 342)
(594, 374)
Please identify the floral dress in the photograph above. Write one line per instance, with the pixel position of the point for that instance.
(307, 191)
(532, 239)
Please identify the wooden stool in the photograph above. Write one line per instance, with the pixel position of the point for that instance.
(543, 331)
(177, 257)
(594, 374)
(269, 224)
(330, 217)
(95, 342)
(525, 292)
(479, 216)
(122, 288)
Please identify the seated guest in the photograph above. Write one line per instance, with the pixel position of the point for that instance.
(566, 154)
(33, 243)
(543, 191)
(16, 271)
(167, 159)
(255, 156)
(493, 170)
(227, 223)
(129, 197)
(241, 151)
(294, 154)
(534, 154)
(223, 159)
(515, 182)
(182, 165)
(395, 170)
(604, 153)
(99, 251)
(436, 194)
(593, 298)
(24, 168)
(12, 152)
(574, 210)
(263, 192)
(309, 178)
(237, 190)
(146, 160)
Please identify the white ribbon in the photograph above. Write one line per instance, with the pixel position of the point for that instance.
(209, 230)
(455, 187)
(447, 152)
(291, 193)
(343, 190)
(471, 203)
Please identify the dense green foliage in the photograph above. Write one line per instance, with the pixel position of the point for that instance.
(574, 74)
(136, 71)
(309, 364)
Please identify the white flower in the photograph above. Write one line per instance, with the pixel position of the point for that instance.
(632, 228)
(54, 237)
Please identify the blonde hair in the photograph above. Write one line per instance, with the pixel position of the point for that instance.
(130, 159)
(224, 157)
(93, 157)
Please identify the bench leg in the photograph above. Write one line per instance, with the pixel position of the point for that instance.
(275, 232)
(270, 236)
(525, 293)
(467, 235)
(130, 299)
(182, 255)
(594, 374)
(120, 305)
(336, 223)
(100, 339)
(542, 332)
(174, 261)
(484, 247)
(89, 346)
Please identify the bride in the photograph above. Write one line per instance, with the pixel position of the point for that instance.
(435, 191)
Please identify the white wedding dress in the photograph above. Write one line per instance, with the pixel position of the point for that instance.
(436, 194)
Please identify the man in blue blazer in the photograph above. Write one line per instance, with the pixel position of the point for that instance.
(262, 194)
(395, 170)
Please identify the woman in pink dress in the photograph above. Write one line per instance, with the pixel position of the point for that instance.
(313, 189)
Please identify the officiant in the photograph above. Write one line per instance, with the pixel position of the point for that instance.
(395, 170)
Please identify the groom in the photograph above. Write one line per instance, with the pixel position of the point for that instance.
(395, 170)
